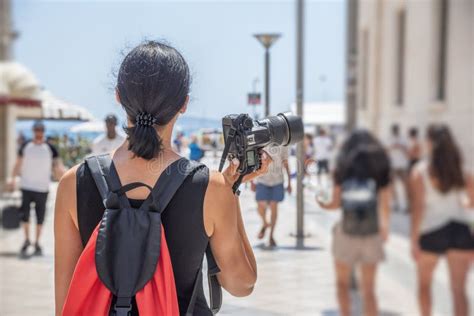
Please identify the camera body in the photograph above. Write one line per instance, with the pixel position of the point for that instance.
(244, 137)
(249, 137)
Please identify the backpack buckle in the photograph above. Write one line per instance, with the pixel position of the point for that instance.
(122, 311)
(123, 306)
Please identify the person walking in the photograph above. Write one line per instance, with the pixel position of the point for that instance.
(322, 146)
(362, 191)
(308, 145)
(37, 161)
(110, 140)
(269, 189)
(195, 151)
(440, 227)
(178, 142)
(398, 151)
(153, 88)
(414, 148)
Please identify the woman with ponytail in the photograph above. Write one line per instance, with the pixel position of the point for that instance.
(441, 194)
(153, 88)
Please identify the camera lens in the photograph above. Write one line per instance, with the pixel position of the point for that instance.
(295, 126)
(285, 128)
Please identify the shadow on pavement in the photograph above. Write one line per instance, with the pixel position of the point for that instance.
(9, 254)
(334, 312)
(299, 247)
(245, 311)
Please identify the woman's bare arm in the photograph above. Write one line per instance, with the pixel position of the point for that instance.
(470, 191)
(229, 242)
(417, 208)
(67, 241)
(225, 227)
(335, 203)
(384, 211)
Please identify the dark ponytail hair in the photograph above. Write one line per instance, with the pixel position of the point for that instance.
(152, 84)
(362, 157)
(446, 160)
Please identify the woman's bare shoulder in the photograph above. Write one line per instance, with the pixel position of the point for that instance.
(66, 193)
(69, 178)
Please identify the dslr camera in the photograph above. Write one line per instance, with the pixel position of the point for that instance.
(244, 138)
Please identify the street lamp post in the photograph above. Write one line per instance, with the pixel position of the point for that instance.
(267, 41)
(299, 111)
(351, 63)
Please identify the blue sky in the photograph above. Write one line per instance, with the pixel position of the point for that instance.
(74, 47)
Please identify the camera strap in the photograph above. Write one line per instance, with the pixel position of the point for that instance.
(228, 141)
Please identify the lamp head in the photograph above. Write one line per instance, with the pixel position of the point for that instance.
(267, 39)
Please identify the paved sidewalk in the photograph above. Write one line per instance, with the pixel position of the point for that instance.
(26, 286)
(293, 279)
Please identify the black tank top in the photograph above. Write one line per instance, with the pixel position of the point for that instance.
(183, 224)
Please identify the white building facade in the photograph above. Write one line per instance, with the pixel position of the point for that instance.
(416, 66)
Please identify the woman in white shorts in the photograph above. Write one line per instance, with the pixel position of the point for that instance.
(361, 190)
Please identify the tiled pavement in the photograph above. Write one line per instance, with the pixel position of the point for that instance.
(293, 279)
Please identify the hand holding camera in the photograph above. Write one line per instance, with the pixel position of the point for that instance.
(232, 174)
(245, 139)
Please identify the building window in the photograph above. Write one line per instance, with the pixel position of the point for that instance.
(441, 58)
(400, 62)
(365, 52)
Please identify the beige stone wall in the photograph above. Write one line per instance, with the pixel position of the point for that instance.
(420, 106)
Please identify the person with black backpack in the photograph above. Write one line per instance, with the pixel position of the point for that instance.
(132, 228)
(362, 191)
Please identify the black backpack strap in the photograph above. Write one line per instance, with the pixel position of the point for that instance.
(107, 180)
(215, 290)
(98, 175)
(192, 301)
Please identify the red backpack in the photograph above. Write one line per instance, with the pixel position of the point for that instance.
(127, 255)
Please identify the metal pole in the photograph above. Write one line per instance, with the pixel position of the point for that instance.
(299, 111)
(267, 81)
(378, 66)
(351, 60)
(254, 90)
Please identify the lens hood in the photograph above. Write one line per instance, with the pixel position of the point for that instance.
(295, 127)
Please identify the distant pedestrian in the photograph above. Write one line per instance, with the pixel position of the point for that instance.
(178, 142)
(270, 190)
(195, 151)
(110, 140)
(322, 146)
(308, 151)
(414, 147)
(21, 139)
(36, 162)
(398, 151)
(362, 191)
(440, 226)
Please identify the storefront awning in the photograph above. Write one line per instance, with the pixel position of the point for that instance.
(20, 88)
(54, 108)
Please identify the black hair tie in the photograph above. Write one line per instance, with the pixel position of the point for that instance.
(145, 119)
